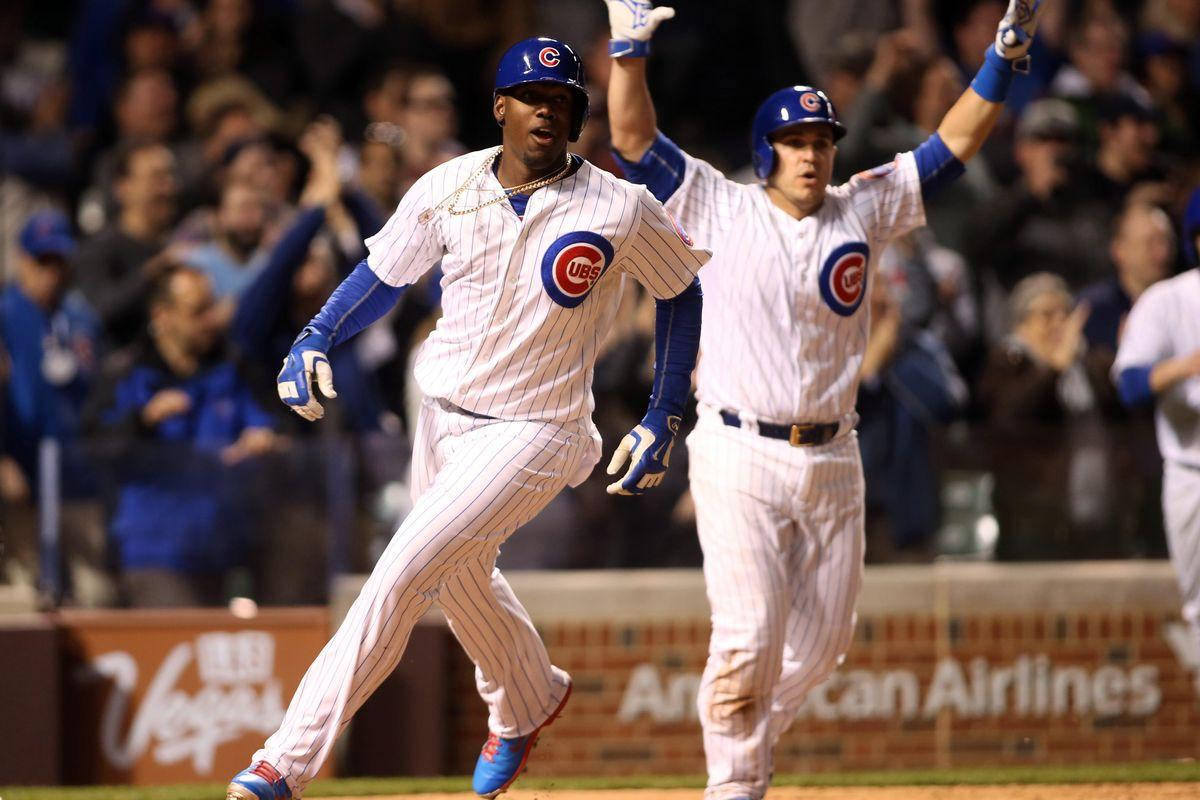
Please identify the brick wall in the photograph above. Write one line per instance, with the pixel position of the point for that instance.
(966, 665)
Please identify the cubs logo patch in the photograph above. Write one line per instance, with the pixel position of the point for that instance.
(573, 264)
(844, 277)
(549, 57)
(679, 231)
(809, 101)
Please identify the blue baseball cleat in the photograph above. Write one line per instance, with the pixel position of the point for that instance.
(502, 760)
(259, 781)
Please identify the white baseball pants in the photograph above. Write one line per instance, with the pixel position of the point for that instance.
(781, 528)
(475, 481)
(1181, 518)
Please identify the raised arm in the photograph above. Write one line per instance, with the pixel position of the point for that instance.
(969, 122)
(631, 116)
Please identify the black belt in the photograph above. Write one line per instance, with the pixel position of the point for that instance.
(448, 406)
(800, 434)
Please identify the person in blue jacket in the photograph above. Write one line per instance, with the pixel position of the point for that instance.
(181, 428)
(50, 337)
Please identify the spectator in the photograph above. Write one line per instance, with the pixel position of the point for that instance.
(1045, 222)
(51, 339)
(180, 427)
(430, 124)
(300, 273)
(1044, 396)
(1097, 52)
(220, 114)
(145, 112)
(1125, 157)
(1142, 250)
(235, 254)
(114, 266)
(1164, 71)
(380, 166)
(909, 385)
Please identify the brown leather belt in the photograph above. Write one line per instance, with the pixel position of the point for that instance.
(799, 434)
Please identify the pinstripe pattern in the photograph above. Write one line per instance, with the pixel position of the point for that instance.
(781, 531)
(475, 482)
(1181, 518)
(503, 347)
(781, 527)
(506, 349)
(1165, 323)
(770, 346)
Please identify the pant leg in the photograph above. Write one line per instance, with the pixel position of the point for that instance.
(826, 570)
(745, 536)
(1181, 518)
(480, 493)
(513, 672)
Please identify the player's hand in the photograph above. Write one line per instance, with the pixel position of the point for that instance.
(1017, 27)
(295, 382)
(632, 23)
(647, 448)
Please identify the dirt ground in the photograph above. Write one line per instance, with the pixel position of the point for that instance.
(1079, 791)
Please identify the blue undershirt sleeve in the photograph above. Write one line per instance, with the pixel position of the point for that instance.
(660, 168)
(676, 343)
(936, 165)
(1133, 386)
(357, 302)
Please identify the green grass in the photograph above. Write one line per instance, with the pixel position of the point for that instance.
(1154, 772)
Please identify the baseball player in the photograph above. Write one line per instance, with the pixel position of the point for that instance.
(774, 462)
(534, 244)
(1158, 361)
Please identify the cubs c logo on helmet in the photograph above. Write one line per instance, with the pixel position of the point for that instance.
(844, 278)
(573, 264)
(811, 102)
(549, 57)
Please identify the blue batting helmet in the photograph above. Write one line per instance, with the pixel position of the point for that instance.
(542, 59)
(789, 106)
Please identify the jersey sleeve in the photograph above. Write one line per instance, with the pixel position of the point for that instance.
(406, 248)
(888, 198)
(696, 193)
(660, 254)
(1144, 341)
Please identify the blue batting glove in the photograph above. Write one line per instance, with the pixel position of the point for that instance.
(295, 382)
(648, 450)
(632, 23)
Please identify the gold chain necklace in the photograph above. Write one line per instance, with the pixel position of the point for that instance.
(505, 194)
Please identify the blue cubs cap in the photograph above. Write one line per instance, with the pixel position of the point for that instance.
(47, 233)
(789, 106)
(1191, 228)
(544, 60)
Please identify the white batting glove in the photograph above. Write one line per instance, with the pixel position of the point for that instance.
(648, 449)
(1015, 34)
(295, 382)
(632, 23)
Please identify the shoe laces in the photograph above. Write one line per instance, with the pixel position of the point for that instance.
(491, 747)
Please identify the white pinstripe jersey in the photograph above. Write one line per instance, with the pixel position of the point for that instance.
(1165, 323)
(784, 327)
(527, 301)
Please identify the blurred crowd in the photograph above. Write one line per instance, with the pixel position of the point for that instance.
(183, 182)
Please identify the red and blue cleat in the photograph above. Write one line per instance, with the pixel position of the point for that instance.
(502, 760)
(259, 781)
